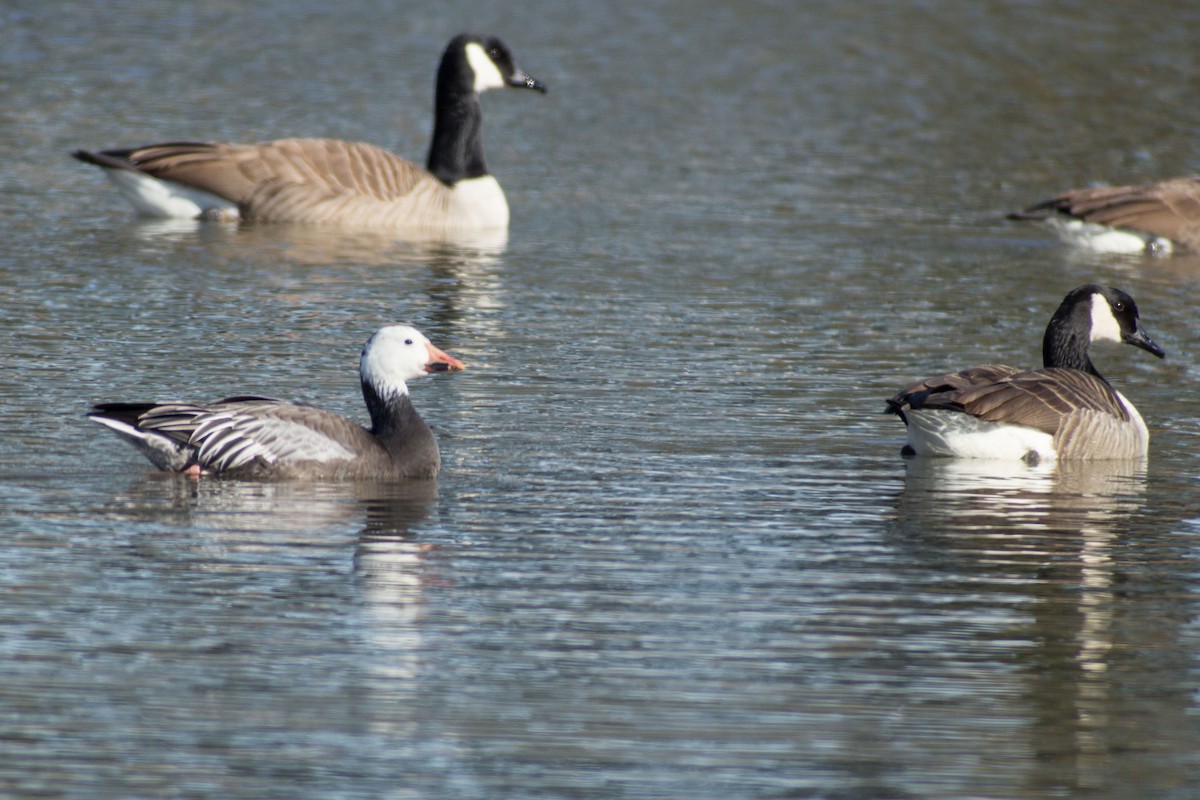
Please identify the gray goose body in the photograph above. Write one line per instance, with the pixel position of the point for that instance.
(1065, 410)
(1161, 216)
(266, 439)
(336, 182)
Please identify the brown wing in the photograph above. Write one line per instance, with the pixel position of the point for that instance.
(964, 379)
(1036, 398)
(1170, 209)
(327, 167)
(916, 395)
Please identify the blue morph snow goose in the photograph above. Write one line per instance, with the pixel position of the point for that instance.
(265, 439)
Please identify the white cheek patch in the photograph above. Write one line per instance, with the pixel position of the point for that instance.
(1105, 327)
(487, 74)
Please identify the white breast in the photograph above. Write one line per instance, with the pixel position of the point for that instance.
(478, 203)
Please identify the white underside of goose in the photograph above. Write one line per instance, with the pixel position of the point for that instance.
(168, 200)
(1103, 239)
(953, 433)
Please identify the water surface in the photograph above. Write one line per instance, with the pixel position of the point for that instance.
(674, 551)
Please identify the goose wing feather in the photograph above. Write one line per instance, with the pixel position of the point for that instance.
(1037, 398)
(963, 379)
(323, 168)
(1170, 209)
(918, 393)
(229, 435)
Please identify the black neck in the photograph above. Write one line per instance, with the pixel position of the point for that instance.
(1068, 337)
(456, 152)
(396, 423)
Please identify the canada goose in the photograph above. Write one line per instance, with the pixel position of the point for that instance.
(256, 437)
(1158, 217)
(1066, 410)
(329, 181)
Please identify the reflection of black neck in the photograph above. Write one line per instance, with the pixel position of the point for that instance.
(456, 152)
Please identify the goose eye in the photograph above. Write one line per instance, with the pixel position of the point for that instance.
(1119, 306)
(408, 341)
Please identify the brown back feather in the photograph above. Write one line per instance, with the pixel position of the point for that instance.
(324, 167)
(1170, 209)
(1036, 398)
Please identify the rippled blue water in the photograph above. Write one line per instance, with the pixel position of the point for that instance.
(673, 552)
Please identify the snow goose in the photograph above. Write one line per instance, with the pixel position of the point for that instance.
(265, 439)
(1065, 410)
(330, 181)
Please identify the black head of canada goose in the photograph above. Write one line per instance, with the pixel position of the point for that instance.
(1066, 410)
(335, 182)
(264, 439)
(1157, 217)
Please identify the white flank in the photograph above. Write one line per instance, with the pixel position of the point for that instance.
(1103, 239)
(478, 203)
(953, 433)
(487, 74)
(154, 198)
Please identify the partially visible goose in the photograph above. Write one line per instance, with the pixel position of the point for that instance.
(256, 437)
(1156, 217)
(329, 181)
(1064, 411)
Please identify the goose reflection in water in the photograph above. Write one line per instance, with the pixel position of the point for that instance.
(1037, 549)
(271, 244)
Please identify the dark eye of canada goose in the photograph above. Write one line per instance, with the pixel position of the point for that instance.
(500, 56)
(1119, 306)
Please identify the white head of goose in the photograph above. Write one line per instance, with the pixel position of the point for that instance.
(1157, 217)
(264, 439)
(335, 182)
(1064, 411)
